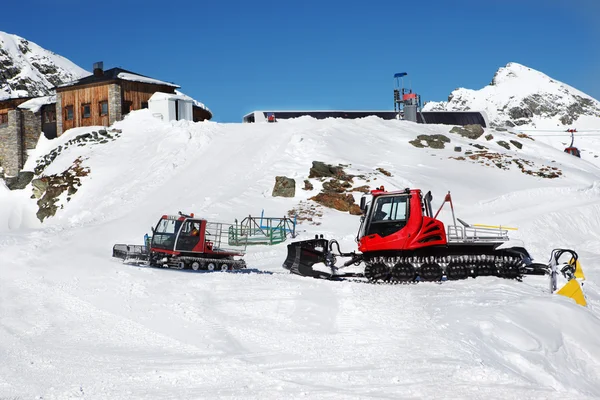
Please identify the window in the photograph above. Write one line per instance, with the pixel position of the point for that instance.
(86, 110)
(127, 107)
(389, 215)
(104, 108)
(144, 104)
(49, 116)
(69, 113)
(3, 120)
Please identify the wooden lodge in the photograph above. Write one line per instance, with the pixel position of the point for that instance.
(100, 99)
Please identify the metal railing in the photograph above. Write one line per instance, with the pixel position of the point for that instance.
(262, 230)
(457, 233)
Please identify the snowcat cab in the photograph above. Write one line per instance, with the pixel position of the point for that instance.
(401, 240)
(184, 241)
(271, 117)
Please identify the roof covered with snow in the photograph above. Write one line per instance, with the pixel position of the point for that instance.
(196, 102)
(115, 74)
(34, 105)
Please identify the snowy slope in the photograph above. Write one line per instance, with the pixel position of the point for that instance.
(75, 323)
(521, 96)
(30, 70)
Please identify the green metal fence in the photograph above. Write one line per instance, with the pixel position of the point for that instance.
(262, 230)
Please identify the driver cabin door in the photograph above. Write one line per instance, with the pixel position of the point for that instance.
(190, 236)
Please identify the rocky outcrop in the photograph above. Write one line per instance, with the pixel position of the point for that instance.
(473, 131)
(433, 141)
(519, 95)
(49, 188)
(339, 201)
(284, 187)
(95, 137)
(28, 70)
(20, 181)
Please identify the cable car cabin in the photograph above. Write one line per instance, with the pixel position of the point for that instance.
(574, 151)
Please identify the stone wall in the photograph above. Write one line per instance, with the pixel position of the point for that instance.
(32, 125)
(59, 117)
(115, 103)
(10, 144)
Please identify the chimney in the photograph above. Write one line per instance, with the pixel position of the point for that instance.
(98, 68)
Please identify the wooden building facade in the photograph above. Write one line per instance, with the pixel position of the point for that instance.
(100, 99)
(105, 97)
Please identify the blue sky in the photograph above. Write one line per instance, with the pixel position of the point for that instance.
(239, 56)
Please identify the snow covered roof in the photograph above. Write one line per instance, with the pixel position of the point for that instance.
(36, 103)
(163, 95)
(117, 73)
(129, 76)
(196, 102)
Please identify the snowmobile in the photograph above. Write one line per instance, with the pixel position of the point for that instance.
(400, 240)
(183, 241)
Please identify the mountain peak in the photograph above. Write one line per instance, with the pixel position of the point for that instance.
(29, 70)
(520, 95)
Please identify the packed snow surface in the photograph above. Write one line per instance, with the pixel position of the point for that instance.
(76, 323)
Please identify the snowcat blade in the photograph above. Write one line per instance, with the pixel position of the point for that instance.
(572, 290)
(302, 255)
(578, 271)
(130, 252)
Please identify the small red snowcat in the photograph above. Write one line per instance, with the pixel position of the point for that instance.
(183, 241)
(400, 240)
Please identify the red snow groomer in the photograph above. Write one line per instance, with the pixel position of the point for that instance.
(183, 241)
(400, 240)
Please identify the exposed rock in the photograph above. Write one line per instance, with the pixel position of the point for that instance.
(503, 144)
(307, 185)
(433, 141)
(284, 187)
(383, 171)
(524, 136)
(39, 187)
(504, 161)
(457, 149)
(32, 69)
(335, 186)
(362, 189)
(473, 131)
(479, 146)
(489, 136)
(20, 181)
(339, 201)
(80, 140)
(48, 188)
(306, 211)
(321, 170)
(518, 145)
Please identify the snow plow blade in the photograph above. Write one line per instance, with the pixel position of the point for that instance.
(131, 252)
(571, 272)
(573, 291)
(302, 255)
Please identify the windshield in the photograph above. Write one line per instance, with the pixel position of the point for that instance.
(389, 215)
(164, 234)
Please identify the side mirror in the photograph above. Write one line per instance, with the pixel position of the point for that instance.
(363, 201)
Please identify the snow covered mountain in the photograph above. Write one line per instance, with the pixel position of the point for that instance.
(521, 96)
(28, 70)
(76, 323)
